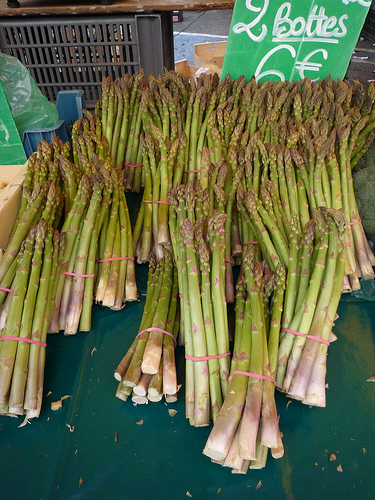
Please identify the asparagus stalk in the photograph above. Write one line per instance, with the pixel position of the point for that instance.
(8, 347)
(201, 381)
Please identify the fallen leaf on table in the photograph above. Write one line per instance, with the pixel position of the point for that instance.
(188, 494)
(363, 450)
(371, 379)
(140, 422)
(218, 490)
(172, 413)
(332, 457)
(339, 468)
(80, 481)
(56, 405)
(259, 485)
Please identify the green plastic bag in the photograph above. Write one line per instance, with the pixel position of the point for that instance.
(29, 107)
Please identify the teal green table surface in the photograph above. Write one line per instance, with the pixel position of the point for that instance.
(99, 447)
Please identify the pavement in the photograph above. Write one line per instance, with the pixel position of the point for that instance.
(199, 27)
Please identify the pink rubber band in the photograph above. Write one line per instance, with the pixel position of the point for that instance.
(206, 358)
(192, 171)
(156, 201)
(353, 223)
(347, 244)
(133, 166)
(250, 243)
(79, 275)
(30, 341)
(180, 295)
(3, 289)
(229, 261)
(157, 329)
(114, 258)
(249, 374)
(312, 337)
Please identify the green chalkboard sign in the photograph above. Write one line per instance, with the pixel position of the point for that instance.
(276, 40)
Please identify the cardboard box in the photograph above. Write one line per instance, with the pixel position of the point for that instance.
(209, 53)
(184, 68)
(10, 198)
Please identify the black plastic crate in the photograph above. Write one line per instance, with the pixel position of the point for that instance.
(75, 52)
(368, 29)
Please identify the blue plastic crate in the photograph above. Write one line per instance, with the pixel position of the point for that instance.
(70, 104)
(32, 137)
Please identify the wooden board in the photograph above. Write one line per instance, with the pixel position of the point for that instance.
(10, 198)
(37, 7)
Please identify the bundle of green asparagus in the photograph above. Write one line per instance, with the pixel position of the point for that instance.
(122, 125)
(115, 283)
(199, 249)
(25, 316)
(247, 423)
(314, 257)
(42, 198)
(106, 246)
(305, 137)
(306, 332)
(147, 372)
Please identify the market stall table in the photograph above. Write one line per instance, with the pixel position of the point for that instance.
(97, 446)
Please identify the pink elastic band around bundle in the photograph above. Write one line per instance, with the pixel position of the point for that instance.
(79, 275)
(353, 223)
(347, 244)
(192, 171)
(29, 341)
(249, 374)
(312, 337)
(114, 258)
(3, 289)
(156, 201)
(157, 329)
(132, 166)
(229, 261)
(251, 243)
(206, 358)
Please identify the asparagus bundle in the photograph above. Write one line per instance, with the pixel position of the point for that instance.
(199, 248)
(301, 372)
(247, 424)
(314, 258)
(115, 273)
(41, 198)
(147, 372)
(310, 131)
(24, 331)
